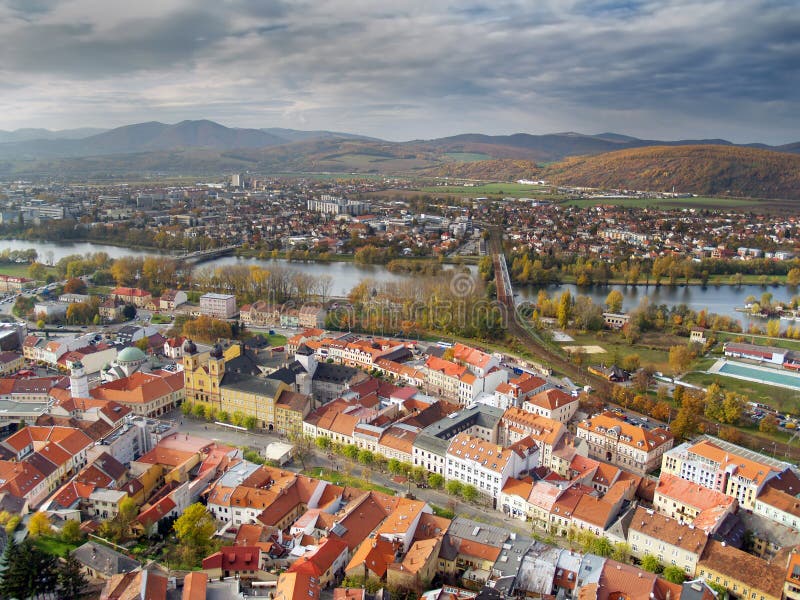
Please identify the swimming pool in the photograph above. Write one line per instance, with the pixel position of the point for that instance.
(762, 375)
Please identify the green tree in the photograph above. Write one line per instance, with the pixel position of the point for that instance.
(366, 457)
(651, 563)
(621, 552)
(27, 572)
(674, 574)
(129, 312)
(436, 481)
(322, 442)
(195, 532)
(394, 466)
(469, 492)
(71, 532)
(453, 487)
(614, 301)
(351, 451)
(71, 579)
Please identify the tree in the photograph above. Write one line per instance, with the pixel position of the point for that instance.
(687, 420)
(365, 457)
(469, 492)
(436, 481)
(793, 277)
(394, 466)
(630, 362)
(453, 487)
(680, 357)
(614, 301)
(351, 451)
(129, 312)
(37, 271)
(27, 571)
(732, 408)
(71, 579)
(773, 328)
(75, 286)
(39, 524)
(302, 448)
(195, 531)
(322, 442)
(71, 532)
(769, 424)
(674, 574)
(564, 310)
(651, 563)
(621, 552)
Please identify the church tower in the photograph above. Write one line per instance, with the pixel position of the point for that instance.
(78, 381)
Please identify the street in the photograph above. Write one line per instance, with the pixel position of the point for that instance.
(259, 441)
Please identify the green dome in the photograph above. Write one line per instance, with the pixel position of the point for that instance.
(131, 354)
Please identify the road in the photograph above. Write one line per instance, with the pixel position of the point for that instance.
(483, 514)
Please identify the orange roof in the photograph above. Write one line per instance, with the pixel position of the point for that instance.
(398, 438)
(627, 433)
(541, 429)
(551, 399)
(319, 560)
(490, 456)
(434, 363)
(374, 553)
(297, 586)
(744, 467)
(140, 388)
(691, 494)
(194, 586)
(471, 356)
(518, 487)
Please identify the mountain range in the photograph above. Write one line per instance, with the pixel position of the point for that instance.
(205, 147)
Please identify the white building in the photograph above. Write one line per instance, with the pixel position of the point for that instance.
(219, 306)
(485, 465)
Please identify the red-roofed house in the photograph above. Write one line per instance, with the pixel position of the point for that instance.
(326, 562)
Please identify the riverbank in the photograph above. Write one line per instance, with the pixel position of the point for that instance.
(713, 281)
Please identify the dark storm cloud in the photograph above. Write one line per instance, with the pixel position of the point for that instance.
(417, 68)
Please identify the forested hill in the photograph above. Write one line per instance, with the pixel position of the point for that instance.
(705, 170)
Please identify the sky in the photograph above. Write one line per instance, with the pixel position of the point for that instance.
(408, 69)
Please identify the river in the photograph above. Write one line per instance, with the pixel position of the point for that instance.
(346, 275)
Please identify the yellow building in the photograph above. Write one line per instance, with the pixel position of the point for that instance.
(10, 362)
(746, 577)
(290, 410)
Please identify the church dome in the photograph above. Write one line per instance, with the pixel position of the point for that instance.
(130, 355)
(216, 351)
(189, 347)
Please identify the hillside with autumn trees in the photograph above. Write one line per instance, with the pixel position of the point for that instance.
(703, 170)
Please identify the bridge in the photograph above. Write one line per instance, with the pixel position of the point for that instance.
(519, 325)
(200, 256)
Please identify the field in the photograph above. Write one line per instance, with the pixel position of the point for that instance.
(370, 162)
(652, 350)
(53, 545)
(517, 190)
(760, 340)
(779, 398)
(466, 156)
(19, 269)
(698, 202)
(339, 478)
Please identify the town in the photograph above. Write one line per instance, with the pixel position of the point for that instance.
(288, 460)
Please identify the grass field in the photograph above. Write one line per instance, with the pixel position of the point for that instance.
(466, 156)
(276, 339)
(54, 546)
(340, 478)
(779, 398)
(760, 340)
(19, 269)
(517, 190)
(617, 348)
(698, 202)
